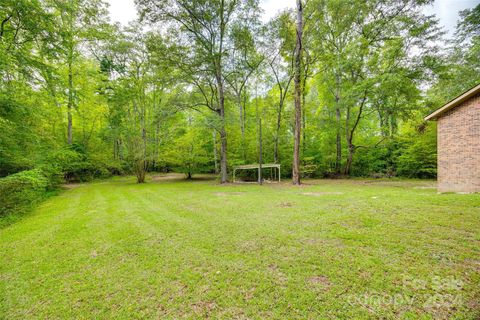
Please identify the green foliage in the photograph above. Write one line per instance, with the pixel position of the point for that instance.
(82, 99)
(188, 154)
(19, 191)
(77, 167)
(418, 154)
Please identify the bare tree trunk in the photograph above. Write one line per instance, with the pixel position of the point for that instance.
(277, 130)
(223, 155)
(242, 124)
(244, 139)
(283, 93)
(70, 56)
(350, 133)
(351, 152)
(144, 138)
(304, 105)
(221, 97)
(260, 152)
(298, 96)
(338, 162)
(70, 101)
(223, 133)
(304, 119)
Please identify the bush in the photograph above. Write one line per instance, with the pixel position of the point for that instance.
(309, 168)
(117, 168)
(76, 167)
(19, 191)
(54, 176)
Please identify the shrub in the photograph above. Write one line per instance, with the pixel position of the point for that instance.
(309, 168)
(116, 168)
(20, 191)
(54, 176)
(76, 167)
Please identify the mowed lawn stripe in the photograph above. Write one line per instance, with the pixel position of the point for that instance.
(176, 249)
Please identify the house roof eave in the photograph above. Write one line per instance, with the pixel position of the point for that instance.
(454, 103)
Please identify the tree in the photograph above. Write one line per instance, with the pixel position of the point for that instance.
(458, 69)
(205, 34)
(80, 22)
(90, 98)
(279, 50)
(298, 94)
(188, 154)
(243, 61)
(139, 79)
(363, 45)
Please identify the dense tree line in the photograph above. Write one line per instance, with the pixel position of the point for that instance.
(340, 87)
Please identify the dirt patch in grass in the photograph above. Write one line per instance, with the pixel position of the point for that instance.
(473, 264)
(285, 205)
(249, 246)
(168, 177)
(322, 281)
(249, 294)
(280, 277)
(204, 307)
(181, 177)
(69, 186)
(318, 194)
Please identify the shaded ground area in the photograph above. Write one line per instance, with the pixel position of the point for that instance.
(173, 249)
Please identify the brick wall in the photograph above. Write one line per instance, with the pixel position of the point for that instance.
(459, 148)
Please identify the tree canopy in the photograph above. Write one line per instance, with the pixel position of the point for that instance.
(340, 87)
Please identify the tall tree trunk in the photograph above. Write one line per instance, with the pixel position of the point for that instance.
(70, 101)
(277, 130)
(144, 138)
(304, 105)
(221, 97)
(304, 118)
(260, 152)
(298, 96)
(350, 133)
(223, 133)
(242, 124)
(351, 152)
(223, 154)
(338, 161)
(70, 56)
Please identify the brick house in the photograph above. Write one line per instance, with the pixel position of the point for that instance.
(458, 135)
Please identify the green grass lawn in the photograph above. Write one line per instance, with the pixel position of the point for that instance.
(179, 249)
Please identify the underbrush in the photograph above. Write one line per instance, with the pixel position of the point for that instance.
(19, 192)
